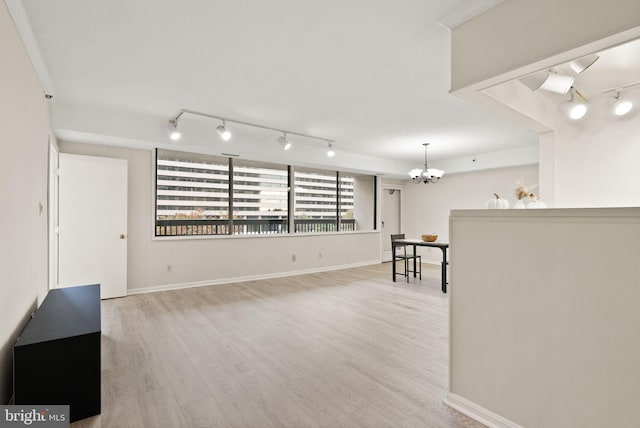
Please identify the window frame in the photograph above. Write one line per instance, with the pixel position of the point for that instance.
(291, 228)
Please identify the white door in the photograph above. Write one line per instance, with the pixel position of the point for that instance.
(93, 223)
(391, 202)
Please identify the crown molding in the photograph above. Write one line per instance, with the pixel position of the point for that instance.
(466, 11)
(23, 25)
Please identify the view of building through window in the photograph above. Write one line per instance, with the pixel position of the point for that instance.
(192, 197)
(260, 198)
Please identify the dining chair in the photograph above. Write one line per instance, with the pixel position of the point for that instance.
(406, 256)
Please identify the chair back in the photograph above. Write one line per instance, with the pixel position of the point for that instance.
(397, 237)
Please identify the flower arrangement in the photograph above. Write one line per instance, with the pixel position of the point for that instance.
(523, 191)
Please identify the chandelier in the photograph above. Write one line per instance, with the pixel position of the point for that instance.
(426, 175)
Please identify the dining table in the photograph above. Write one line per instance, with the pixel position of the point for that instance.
(444, 246)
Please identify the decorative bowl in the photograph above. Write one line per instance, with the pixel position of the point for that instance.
(429, 238)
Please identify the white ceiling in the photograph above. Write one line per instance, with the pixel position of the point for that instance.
(371, 74)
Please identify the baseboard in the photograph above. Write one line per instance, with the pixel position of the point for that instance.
(478, 413)
(246, 278)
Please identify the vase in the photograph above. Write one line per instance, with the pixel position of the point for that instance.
(519, 205)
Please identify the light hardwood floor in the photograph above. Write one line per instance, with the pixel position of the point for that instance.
(347, 348)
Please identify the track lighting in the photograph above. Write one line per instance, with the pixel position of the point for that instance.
(174, 134)
(573, 109)
(282, 140)
(225, 134)
(621, 106)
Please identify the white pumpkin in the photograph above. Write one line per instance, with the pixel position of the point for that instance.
(497, 203)
(536, 204)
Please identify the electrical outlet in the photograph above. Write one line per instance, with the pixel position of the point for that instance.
(293, 258)
(169, 268)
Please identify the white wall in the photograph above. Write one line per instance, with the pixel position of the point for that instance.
(427, 206)
(544, 316)
(596, 161)
(221, 259)
(23, 186)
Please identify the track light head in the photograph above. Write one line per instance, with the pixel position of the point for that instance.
(535, 80)
(174, 134)
(581, 64)
(225, 134)
(573, 109)
(558, 83)
(331, 153)
(282, 140)
(621, 106)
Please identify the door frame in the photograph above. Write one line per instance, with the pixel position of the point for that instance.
(53, 198)
(383, 188)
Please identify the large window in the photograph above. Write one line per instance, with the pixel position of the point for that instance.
(192, 197)
(260, 198)
(315, 200)
(192, 194)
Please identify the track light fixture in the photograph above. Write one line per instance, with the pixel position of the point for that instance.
(552, 81)
(282, 140)
(174, 134)
(331, 153)
(225, 134)
(621, 106)
(426, 175)
(573, 109)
